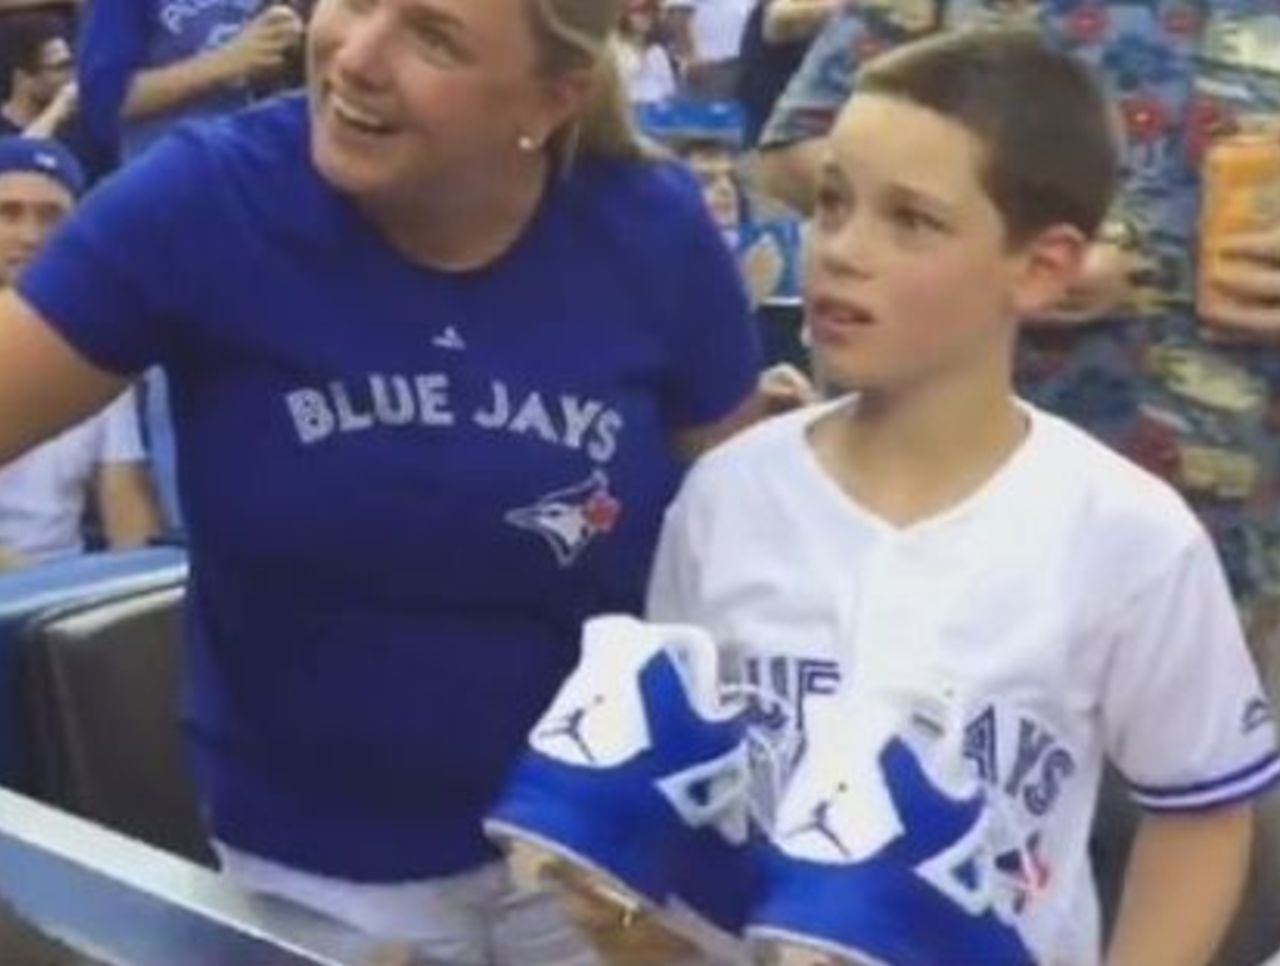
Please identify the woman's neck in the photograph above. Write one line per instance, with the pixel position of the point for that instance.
(469, 225)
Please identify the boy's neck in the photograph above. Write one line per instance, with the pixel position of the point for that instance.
(909, 455)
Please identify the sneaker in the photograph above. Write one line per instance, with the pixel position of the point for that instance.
(638, 762)
(881, 852)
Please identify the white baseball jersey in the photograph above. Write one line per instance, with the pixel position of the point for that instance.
(1074, 601)
(43, 494)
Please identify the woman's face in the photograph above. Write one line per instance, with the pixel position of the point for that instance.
(407, 94)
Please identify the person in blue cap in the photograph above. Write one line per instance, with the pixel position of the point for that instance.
(21, 155)
(43, 495)
(441, 339)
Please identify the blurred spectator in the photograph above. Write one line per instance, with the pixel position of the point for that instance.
(706, 36)
(37, 87)
(144, 64)
(643, 59)
(767, 250)
(44, 494)
(39, 71)
(775, 39)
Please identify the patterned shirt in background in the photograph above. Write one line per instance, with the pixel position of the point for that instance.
(1203, 416)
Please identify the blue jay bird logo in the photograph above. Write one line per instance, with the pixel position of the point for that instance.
(1257, 714)
(569, 520)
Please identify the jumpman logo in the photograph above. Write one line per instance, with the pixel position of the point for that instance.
(820, 821)
(570, 726)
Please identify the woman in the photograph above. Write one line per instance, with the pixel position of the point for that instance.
(437, 334)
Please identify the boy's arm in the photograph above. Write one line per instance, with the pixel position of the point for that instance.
(126, 504)
(122, 485)
(1182, 885)
(1188, 723)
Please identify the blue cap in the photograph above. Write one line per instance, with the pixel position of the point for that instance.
(41, 156)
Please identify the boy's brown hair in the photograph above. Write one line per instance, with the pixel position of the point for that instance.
(1050, 134)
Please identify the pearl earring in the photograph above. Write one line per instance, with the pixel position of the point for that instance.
(526, 144)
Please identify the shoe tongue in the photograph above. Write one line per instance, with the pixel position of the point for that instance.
(934, 729)
(620, 645)
(696, 659)
(619, 642)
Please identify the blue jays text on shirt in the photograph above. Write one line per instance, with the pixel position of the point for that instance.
(424, 399)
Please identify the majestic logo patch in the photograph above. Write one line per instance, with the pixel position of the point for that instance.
(1257, 714)
(569, 520)
(450, 338)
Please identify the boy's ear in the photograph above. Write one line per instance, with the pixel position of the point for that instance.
(1050, 264)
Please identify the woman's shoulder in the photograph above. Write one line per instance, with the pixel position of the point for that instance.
(258, 163)
(267, 139)
(660, 189)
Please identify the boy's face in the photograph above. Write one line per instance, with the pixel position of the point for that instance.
(909, 274)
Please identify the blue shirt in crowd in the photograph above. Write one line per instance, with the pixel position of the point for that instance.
(119, 38)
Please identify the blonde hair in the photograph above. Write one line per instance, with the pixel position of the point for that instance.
(579, 35)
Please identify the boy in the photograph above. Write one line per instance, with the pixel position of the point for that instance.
(934, 535)
(1129, 357)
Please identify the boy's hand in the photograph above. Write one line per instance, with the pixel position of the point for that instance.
(1245, 286)
(1100, 290)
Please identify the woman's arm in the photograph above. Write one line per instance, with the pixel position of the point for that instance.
(45, 385)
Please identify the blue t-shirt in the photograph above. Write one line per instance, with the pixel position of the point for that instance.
(119, 38)
(405, 489)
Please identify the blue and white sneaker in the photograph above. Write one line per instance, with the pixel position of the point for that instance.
(636, 762)
(882, 848)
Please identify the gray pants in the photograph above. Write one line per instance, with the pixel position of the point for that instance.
(476, 918)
